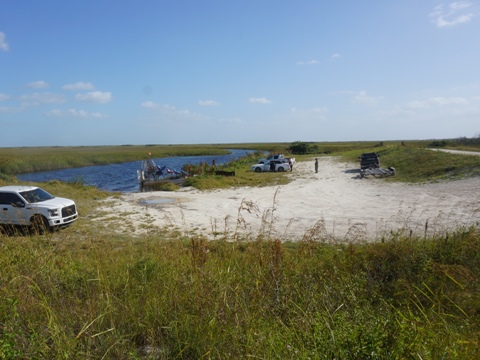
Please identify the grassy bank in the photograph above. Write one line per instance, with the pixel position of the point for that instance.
(414, 164)
(80, 294)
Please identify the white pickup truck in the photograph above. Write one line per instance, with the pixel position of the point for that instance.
(276, 157)
(272, 165)
(34, 208)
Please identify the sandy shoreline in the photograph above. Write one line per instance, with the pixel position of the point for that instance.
(335, 203)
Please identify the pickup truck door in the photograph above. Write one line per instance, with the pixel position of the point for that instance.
(12, 209)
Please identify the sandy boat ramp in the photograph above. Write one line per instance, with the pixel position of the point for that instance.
(333, 204)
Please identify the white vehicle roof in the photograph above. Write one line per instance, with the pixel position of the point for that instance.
(17, 188)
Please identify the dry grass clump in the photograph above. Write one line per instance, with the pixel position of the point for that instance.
(189, 298)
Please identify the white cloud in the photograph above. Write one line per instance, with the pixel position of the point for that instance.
(79, 86)
(75, 114)
(4, 97)
(153, 105)
(171, 113)
(38, 85)
(308, 62)
(207, 103)
(436, 102)
(10, 109)
(336, 56)
(41, 98)
(149, 105)
(3, 42)
(313, 111)
(233, 120)
(362, 98)
(259, 100)
(454, 14)
(96, 97)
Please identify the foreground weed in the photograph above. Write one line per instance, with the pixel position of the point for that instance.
(188, 298)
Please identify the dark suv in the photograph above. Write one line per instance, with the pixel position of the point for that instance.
(369, 161)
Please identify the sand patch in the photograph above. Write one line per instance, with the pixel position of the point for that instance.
(335, 202)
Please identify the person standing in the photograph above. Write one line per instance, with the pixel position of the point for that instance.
(316, 165)
(272, 166)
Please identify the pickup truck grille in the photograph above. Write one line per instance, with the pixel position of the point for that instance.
(68, 211)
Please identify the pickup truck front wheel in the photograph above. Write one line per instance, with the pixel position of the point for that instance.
(257, 169)
(39, 225)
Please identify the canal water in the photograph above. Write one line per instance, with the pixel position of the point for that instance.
(123, 177)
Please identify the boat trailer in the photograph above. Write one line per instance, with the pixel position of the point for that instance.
(377, 172)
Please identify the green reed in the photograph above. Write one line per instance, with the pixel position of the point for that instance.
(85, 293)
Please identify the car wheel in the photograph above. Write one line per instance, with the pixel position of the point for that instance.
(281, 169)
(39, 225)
(257, 169)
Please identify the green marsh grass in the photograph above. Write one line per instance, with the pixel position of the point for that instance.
(81, 293)
(411, 159)
(30, 159)
(88, 292)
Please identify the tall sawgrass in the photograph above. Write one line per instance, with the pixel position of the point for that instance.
(82, 294)
(22, 160)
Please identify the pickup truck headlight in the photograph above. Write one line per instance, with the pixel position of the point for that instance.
(53, 212)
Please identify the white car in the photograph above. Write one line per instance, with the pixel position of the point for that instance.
(272, 165)
(35, 208)
(271, 157)
(276, 157)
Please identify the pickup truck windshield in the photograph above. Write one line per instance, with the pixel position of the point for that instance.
(35, 196)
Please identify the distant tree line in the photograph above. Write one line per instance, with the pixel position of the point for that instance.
(302, 148)
(461, 141)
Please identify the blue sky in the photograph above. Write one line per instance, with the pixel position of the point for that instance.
(97, 72)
